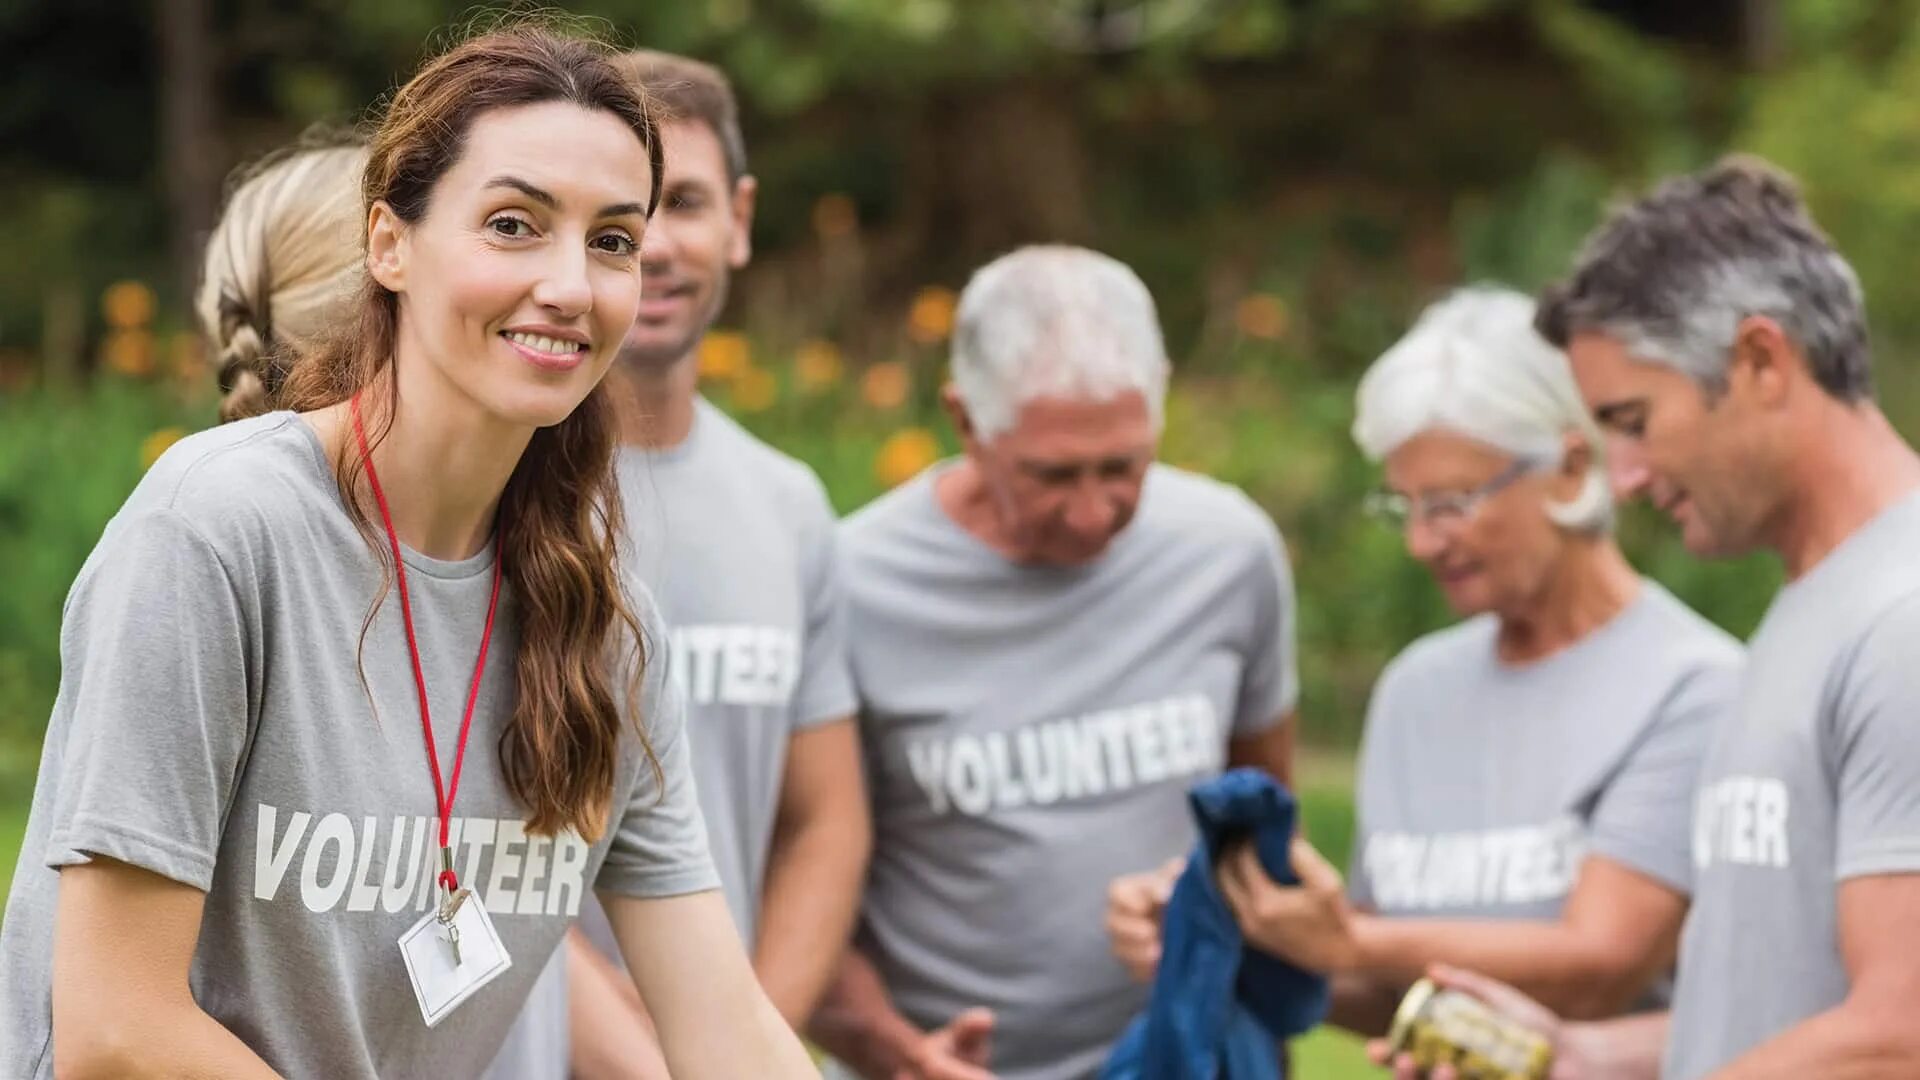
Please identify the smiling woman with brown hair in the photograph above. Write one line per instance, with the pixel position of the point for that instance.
(356, 701)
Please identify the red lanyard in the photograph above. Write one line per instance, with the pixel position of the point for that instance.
(443, 799)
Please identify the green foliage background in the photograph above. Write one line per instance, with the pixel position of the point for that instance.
(1342, 162)
(1339, 162)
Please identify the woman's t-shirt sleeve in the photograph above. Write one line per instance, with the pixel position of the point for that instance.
(659, 847)
(152, 716)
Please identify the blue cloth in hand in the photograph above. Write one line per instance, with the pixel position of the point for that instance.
(1217, 1008)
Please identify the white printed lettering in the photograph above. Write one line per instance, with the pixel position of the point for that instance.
(1770, 823)
(476, 835)
(1149, 748)
(393, 888)
(506, 867)
(967, 782)
(431, 854)
(1008, 794)
(1113, 740)
(924, 760)
(270, 860)
(1519, 865)
(736, 665)
(1068, 759)
(1040, 765)
(532, 881)
(702, 645)
(1742, 821)
(339, 871)
(338, 830)
(1086, 774)
(736, 669)
(569, 875)
(365, 893)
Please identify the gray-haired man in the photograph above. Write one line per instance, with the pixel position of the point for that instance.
(1052, 638)
(1722, 342)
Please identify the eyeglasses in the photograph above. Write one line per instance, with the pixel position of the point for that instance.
(1445, 508)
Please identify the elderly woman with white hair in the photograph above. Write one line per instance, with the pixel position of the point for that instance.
(1526, 776)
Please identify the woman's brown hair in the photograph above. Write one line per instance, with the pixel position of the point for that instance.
(560, 514)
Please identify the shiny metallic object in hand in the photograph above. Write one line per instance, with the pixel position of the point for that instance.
(1446, 1027)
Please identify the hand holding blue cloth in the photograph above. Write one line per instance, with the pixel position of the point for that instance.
(1218, 1009)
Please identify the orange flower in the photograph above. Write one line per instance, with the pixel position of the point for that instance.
(885, 385)
(834, 216)
(1262, 316)
(905, 453)
(724, 354)
(817, 366)
(930, 319)
(129, 352)
(127, 305)
(156, 444)
(754, 390)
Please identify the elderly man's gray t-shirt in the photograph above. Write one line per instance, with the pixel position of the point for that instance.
(1483, 785)
(212, 727)
(1031, 733)
(1813, 782)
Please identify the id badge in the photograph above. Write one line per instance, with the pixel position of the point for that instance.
(447, 964)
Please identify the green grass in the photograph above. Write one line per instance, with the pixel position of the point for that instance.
(13, 828)
(1326, 813)
(17, 764)
(1328, 1054)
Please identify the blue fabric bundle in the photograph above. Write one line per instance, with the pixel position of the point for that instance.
(1218, 1009)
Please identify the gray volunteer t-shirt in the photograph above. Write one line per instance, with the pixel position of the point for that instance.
(211, 727)
(1031, 733)
(736, 539)
(1813, 781)
(1483, 785)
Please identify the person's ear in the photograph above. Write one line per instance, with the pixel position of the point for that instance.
(387, 252)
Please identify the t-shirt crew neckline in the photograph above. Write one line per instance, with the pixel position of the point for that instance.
(680, 451)
(928, 494)
(446, 569)
(1842, 553)
(1528, 669)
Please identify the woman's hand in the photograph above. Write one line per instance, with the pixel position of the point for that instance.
(1136, 904)
(1309, 925)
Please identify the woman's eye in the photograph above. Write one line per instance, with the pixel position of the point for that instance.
(510, 226)
(615, 243)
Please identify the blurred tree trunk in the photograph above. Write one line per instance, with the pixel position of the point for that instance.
(1761, 32)
(190, 149)
(993, 167)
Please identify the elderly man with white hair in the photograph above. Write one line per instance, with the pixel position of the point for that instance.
(1527, 775)
(1053, 638)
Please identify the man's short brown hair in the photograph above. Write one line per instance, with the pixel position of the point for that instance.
(682, 88)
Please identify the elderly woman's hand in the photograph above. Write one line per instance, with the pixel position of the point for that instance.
(1136, 904)
(1308, 925)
